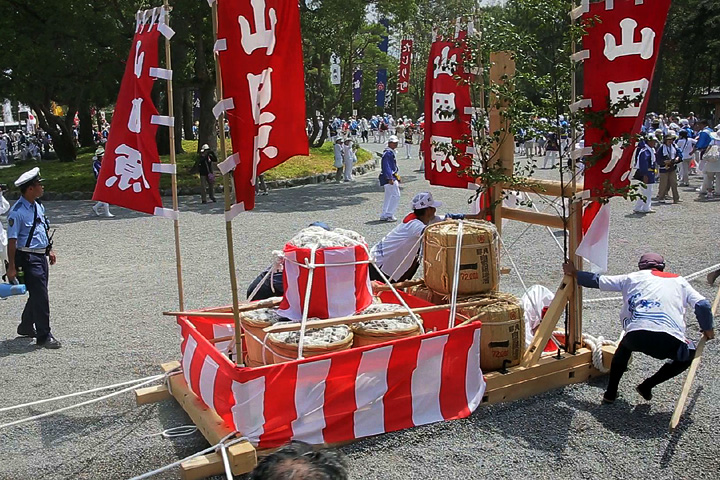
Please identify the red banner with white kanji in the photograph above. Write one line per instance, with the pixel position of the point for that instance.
(130, 172)
(261, 61)
(622, 42)
(447, 141)
(404, 66)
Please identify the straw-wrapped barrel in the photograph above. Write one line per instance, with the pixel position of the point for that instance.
(502, 341)
(479, 257)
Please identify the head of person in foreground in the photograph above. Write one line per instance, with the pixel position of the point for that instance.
(299, 461)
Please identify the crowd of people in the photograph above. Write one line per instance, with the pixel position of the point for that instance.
(672, 150)
(18, 145)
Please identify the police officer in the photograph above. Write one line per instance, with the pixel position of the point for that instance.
(29, 244)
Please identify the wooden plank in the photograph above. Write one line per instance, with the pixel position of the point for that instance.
(529, 216)
(242, 456)
(293, 326)
(549, 321)
(222, 313)
(152, 394)
(551, 188)
(545, 366)
(540, 384)
(406, 284)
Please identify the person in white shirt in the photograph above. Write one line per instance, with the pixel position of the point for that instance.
(339, 159)
(653, 319)
(686, 146)
(349, 158)
(398, 253)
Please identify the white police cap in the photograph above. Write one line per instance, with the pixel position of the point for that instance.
(29, 176)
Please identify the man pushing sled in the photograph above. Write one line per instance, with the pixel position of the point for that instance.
(653, 319)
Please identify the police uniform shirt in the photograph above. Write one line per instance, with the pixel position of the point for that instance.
(20, 223)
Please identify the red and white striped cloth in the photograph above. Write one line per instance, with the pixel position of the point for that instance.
(341, 396)
(338, 290)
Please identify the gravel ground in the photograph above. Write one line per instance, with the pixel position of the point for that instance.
(114, 277)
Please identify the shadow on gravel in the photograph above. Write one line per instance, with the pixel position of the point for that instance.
(685, 423)
(17, 346)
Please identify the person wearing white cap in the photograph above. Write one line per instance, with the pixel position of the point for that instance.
(668, 157)
(29, 248)
(645, 173)
(398, 253)
(205, 169)
(97, 164)
(390, 181)
(349, 158)
(338, 158)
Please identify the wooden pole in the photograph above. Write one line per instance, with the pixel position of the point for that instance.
(574, 228)
(502, 67)
(691, 374)
(171, 113)
(226, 191)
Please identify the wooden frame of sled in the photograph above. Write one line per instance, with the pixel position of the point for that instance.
(536, 373)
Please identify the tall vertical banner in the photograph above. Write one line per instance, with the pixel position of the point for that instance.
(620, 53)
(381, 83)
(260, 50)
(131, 168)
(404, 66)
(447, 143)
(357, 85)
(335, 74)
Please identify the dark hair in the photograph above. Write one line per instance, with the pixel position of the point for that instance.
(421, 211)
(683, 133)
(26, 185)
(298, 461)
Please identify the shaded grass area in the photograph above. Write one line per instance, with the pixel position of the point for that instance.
(77, 176)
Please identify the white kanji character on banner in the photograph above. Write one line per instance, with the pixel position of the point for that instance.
(442, 159)
(139, 59)
(444, 65)
(128, 170)
(628, 46)
(263, 37)
(615, 157)
(134, 122)
(632, 89)
(260, 95)
(443, 102)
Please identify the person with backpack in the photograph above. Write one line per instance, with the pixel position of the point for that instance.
(668, 157)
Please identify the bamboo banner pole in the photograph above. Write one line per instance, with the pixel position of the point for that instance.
(171, 113)
(226, 190)
(575, 221)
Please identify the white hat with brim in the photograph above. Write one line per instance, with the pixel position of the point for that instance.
(205, 147)
(393, 139)
(29, 176)
(424, 200)
(715, 136)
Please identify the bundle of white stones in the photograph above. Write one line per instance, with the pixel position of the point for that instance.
(386, 324)
(314, 337)
(318, 237)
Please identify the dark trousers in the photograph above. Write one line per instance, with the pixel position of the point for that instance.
(662, 346)
(375, 275)
(37, 308)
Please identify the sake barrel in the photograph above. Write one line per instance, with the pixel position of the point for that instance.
(383, 330)
(318, 341)
(253, 323)
(479, 257)
(502, 338)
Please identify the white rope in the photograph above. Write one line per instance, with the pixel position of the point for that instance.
(306, 307)
(596, 345)
(392, 275)
(512, 262)
(274, 266)
(82, 404)
(181, 431)
(202, 452)
(456, 276)
(226, 462)
(397, 295)
(77, 394)
(688, 278)
(549, 230)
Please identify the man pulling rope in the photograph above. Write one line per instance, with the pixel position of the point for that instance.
(653, 319)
